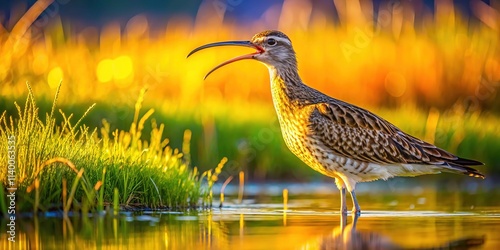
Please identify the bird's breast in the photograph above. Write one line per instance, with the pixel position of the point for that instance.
(294, 124)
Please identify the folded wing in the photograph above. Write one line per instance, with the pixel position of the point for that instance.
(358, 134)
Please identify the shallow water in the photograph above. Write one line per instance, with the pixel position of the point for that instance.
(413, 218)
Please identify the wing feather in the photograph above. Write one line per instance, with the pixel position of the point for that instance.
(358, 134)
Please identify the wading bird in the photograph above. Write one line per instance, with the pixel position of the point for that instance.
(335, 138)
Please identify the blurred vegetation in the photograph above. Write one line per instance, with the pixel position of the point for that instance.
(434, 73)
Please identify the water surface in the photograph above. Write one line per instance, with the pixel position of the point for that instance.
(416, 218)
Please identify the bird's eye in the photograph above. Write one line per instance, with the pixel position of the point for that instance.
(271, 41)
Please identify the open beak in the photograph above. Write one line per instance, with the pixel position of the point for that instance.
(259, 49)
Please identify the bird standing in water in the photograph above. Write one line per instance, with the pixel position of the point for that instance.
(335, 138)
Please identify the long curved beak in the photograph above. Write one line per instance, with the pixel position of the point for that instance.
(259, 49)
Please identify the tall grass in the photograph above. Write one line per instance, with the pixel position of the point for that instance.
(76, 166)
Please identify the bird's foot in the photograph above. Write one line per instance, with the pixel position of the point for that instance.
(343, 211)
(356, 212)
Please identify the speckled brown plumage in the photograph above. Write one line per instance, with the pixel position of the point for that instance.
(336, 138)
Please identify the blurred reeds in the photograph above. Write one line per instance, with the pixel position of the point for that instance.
(433, 71)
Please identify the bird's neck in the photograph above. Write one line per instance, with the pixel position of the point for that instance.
(285, 87)
(285, 81)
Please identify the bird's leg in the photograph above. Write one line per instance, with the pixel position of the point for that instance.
(341, 186)
(356, 210)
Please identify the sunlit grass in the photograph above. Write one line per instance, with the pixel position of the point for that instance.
(86, 168)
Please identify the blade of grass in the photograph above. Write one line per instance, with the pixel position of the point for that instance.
(37, 196)
(116, 203)
(157, 191)
(72, 192)
(100, 202)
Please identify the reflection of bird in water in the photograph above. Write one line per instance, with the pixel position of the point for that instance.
(336, 138)
(347, 237)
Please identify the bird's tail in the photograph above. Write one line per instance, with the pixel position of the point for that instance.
(461, 166)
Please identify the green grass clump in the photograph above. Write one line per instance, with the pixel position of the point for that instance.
(71, 166)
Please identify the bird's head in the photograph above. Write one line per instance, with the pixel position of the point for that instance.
(273, 48)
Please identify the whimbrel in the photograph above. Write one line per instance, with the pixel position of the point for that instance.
(335, 138)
